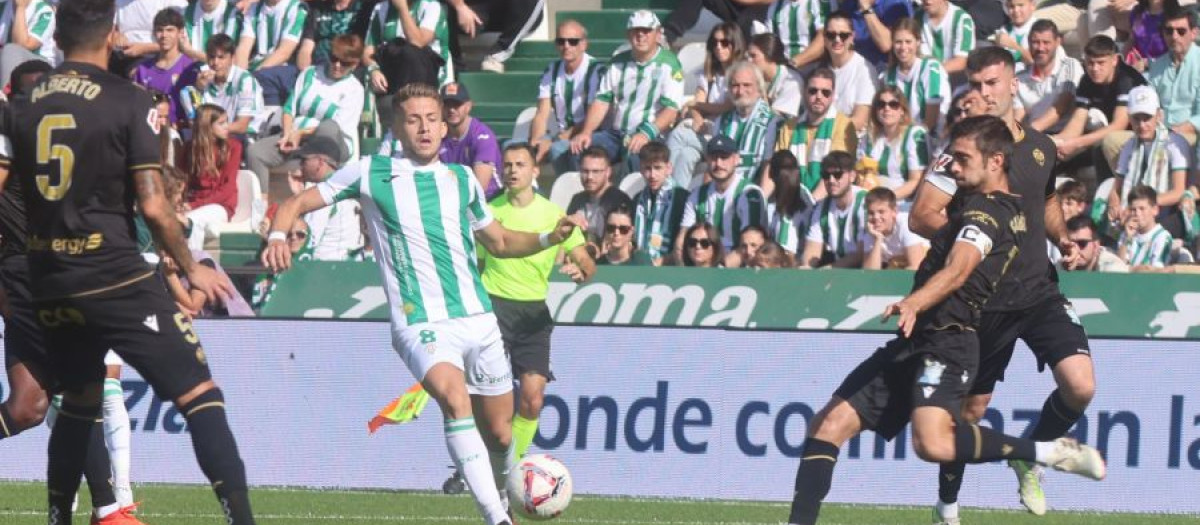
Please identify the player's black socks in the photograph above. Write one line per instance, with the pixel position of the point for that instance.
(1056, 419)
(217, 453)
(68, 453)
(98, 469)
(976, 444)
(813, 478)
(8, 427)
(950, 477)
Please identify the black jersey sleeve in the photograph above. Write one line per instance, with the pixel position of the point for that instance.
(143, 147)
(1127, 79)
(986, 225)
(5, 136)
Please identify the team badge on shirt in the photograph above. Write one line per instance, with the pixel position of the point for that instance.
(1039, 157)
(152, 120)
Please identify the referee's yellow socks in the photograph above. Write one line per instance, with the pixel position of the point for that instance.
(523, 431)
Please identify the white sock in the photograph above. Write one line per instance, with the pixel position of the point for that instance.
(104, 511)
(116, 437)
(1043, 450)
(947, 510)
(471, 456)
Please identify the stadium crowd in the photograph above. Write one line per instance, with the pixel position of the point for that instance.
(809, 131)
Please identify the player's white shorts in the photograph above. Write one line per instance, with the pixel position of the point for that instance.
(111, 358)
(472, 344)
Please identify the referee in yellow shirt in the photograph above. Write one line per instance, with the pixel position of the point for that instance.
(517, 287)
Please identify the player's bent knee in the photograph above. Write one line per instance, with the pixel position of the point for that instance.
(933, 446)
(28, 413)
(194, 392)
(976, 407)
(836, 423)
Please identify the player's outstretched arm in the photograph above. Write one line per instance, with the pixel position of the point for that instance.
(277, 256)
(928, 210)
(583, 263)
(168, 235)
(963, 259)
(505, 243)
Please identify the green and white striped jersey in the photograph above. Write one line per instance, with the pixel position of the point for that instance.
(953, 37)
(571, 93)
(838, 229)
(429, 14)
(755, 135)
(240, 95)
(317, 97)
(789, 230)
(796, 22)
(421, 220)
(1152, 248)
(636, 91)
(201, 25)
(270, 25)
(1021, 35)
(39, 19)
(909, 152)
(924, 84)
(742, 204)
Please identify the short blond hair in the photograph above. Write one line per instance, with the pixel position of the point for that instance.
(415, 90)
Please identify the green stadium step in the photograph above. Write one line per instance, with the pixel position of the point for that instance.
(239, 249)
(499, 111)
(508, 87)
(605, 24)
(597, 47)
(527, 64)
(641, 4)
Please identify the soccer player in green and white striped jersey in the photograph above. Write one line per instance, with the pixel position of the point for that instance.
(270, 33)
(947, 34)
(424, 218)
(423, 24)
(922, 79)
(645, 87)
(29, 25)
(224, 84)
(205, 18)
(567, 87)
(798, 23)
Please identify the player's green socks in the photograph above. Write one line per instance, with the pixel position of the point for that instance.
(470, 455)
(813, 478)
(217, 453)
(523, 431)
(1056, 419)
(976, 444)
(950, 476)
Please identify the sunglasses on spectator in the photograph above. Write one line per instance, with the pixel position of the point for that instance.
(722, 42)
(838, 35)
(890, 104)
(832, 174)
(1179, 31)
(344, 62)
(823, 92)
(622, 229)
(298, 235)
(1083, 243)
(703, 244)
(568, 41)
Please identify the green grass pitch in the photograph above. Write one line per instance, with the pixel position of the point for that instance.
(24, 504)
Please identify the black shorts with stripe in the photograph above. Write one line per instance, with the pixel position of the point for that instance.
(526, 327)
(1050, 328)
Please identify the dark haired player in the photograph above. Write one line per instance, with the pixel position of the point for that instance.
(1027, 303)
(85, 150)
(924, 374)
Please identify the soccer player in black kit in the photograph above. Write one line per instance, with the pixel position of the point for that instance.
(1027, 304)
(85, 151)
(924, 374)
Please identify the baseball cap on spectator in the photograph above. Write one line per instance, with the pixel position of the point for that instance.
(316, 145)
(721, 146)
(1143, 100)
(643, 19)
(455, 92)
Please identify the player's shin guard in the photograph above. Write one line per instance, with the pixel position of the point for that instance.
(69, 451)
(116, 437)
(950, 478)
(813, 478)
(523, 431)
(217, 453)
(470, 455)
(976, 444)
(1056, 418)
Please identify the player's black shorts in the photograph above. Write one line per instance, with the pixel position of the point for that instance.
(932, 369)
(525, 327)
(139, 321)
(1050, 329)
(23, 340)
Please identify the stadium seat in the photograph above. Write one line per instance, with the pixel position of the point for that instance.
(248, 190)
(633, 184)
(1180, 254)
(691, 57)
(520, 131)
(565, 187)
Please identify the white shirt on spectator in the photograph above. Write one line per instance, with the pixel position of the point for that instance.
(784, 92)
(135, 18)
(1159, 159)
(1038, 94)
(336, 231)
(894, 244)
(854, 84)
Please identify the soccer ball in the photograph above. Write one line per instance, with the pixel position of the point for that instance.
(539, 487)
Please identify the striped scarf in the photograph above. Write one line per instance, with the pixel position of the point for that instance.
(810, 154)
(1150, 164)
(652, 218)
(749, 134)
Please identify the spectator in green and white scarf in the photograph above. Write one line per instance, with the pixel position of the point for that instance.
(1154, 157)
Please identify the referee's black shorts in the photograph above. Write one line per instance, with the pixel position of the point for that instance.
(139, 321)
(1050, 329)
(526, 327)
(23, 340)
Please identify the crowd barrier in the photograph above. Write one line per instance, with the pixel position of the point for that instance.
(654, 412)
